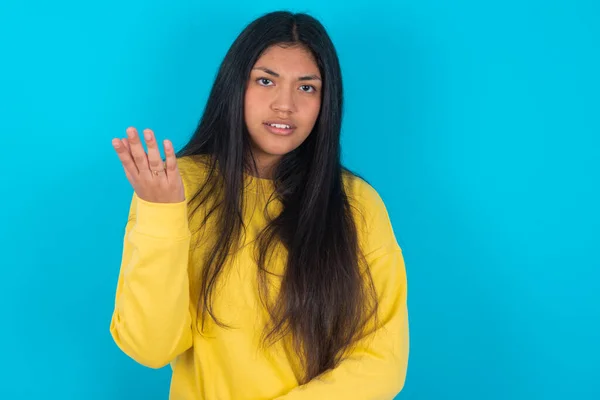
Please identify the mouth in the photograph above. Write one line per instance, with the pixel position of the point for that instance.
(279, 128)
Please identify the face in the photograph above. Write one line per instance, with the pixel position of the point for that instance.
(282, 103)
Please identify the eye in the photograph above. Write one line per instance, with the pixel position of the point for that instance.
(308, 88)
(264, 81)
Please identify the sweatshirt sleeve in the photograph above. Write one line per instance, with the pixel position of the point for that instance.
(151, 321)
(376, 368)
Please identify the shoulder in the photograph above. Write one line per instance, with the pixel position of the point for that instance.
(193, 170)
(192, 165)
(363, 196)
(373, 222)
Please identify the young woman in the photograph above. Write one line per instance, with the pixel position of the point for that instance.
(253, 262)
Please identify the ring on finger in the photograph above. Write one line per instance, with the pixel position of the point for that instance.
(157, 172)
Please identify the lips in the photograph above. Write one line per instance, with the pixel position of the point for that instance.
(280, 127)
(280, 124)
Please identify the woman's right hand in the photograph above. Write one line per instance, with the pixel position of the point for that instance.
(152, 180)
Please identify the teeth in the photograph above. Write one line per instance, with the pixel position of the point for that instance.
(280, 126)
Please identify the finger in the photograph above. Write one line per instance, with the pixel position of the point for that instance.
(126, 144)
(128, 147)
(137, 152)
(154, 160)
(130, 173)
(171, 160)
(125, 157)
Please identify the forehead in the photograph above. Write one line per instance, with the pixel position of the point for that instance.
(289, 60)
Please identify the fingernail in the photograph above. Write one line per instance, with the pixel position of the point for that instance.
(130, 133)
(147, 135)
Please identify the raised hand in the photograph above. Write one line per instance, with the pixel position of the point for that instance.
(152, 179)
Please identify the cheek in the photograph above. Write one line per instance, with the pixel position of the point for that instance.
(252, 103)
(312, 109)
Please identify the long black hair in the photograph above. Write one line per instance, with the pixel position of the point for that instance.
(325, 297)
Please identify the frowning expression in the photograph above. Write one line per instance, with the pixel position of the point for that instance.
(282, 102)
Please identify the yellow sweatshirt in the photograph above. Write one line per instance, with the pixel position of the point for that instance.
(154, 318)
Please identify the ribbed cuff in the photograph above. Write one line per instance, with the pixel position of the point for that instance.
(162, 219)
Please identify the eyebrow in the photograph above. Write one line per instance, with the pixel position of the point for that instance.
(302, 78)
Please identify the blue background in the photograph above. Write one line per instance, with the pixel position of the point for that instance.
(478, 123)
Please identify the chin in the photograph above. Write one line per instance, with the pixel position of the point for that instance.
(276, 146)
(276, 150)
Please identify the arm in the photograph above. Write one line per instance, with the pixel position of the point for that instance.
(151, 321)
(376, 367)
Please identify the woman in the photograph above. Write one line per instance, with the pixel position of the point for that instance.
(254, 263)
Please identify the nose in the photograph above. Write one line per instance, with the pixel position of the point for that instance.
(284, 101)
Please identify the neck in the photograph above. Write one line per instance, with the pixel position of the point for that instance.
(265, 166)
